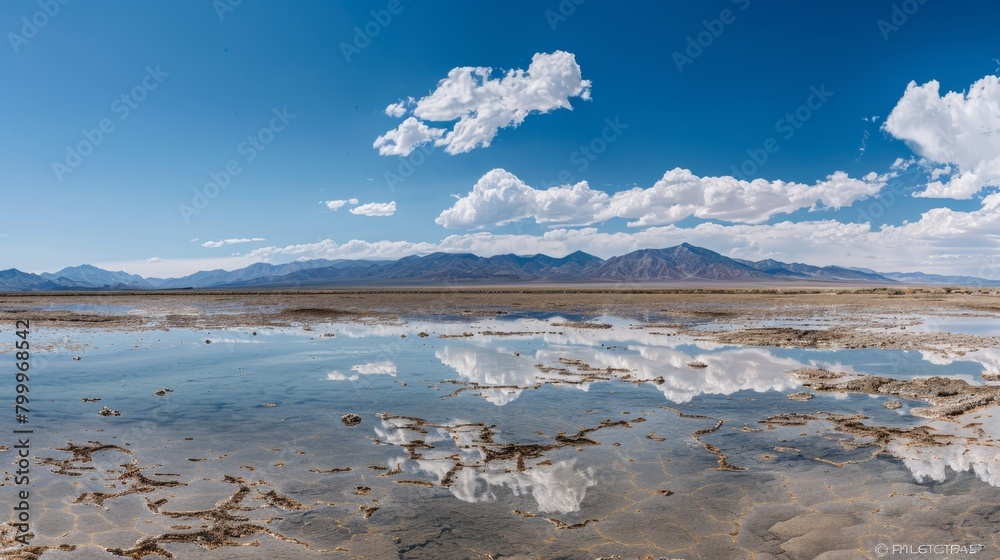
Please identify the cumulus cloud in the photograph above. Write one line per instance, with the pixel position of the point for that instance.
(375, 209)
(152, 260)
(399, 109)
(680, 194)
(482, 104)
(403, 139)
(962, 129)
(336, 204)
(967, 237)
(233, 241)
(499, 197)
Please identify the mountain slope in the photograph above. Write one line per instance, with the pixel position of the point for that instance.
(682, 263)
(92, 276)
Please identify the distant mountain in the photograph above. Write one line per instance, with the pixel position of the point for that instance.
(219, 277)
(683, 263)
(444, 268)
(13, 280)
(921, 278)
(798, 270)
(91, 276)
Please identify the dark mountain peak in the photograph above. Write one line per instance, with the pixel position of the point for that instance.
(683, 262)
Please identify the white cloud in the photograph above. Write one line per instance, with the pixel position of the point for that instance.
(336, 204)
(938, 172)
(904, 248)
(957, 128)
(384, 367)
(152, 260)
(375, 209)
(233, 241)
(680, 194)
(399, 109)
(483, 105)
(406, 137)
(500, 197)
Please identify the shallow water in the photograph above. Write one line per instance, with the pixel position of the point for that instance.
(497, 437)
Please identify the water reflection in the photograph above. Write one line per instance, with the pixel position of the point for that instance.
(727, 371)
(491, 367)
(456, 457)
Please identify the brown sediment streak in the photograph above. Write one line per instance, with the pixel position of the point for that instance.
(582, 325)
(948, 397)
(483, 441)
(721, 457)
(560, 524)
(416, 483)
(851, 424)
(226, 526)
(11, 549)
(137, 483)
(881, 436)
(333, 470)
(473, 385)
(81, 454)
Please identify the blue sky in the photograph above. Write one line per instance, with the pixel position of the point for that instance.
(622, 126)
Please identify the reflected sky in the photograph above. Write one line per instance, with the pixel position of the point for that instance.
(273, 399)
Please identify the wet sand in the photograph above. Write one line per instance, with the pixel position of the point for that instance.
(740, 482)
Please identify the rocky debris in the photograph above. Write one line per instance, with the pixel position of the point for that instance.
(697, 364)
(105, 411)
(350, 419)
(161, 392)
(800, 396)
(892, 405)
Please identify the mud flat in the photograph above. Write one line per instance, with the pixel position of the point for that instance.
(575, 424)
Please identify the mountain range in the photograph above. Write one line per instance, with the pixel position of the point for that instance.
(683, 263)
